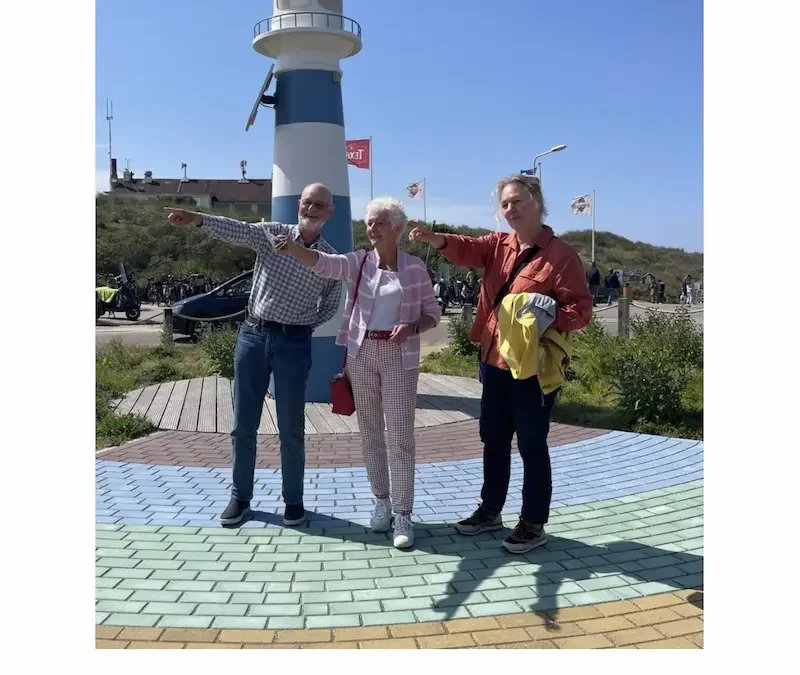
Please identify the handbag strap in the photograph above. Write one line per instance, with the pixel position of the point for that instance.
(524, 259)
(355, 300)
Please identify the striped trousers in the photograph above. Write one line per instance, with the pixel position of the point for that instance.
(383, 388)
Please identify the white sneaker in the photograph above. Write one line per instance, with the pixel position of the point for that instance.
(403, 532)
(382, 516)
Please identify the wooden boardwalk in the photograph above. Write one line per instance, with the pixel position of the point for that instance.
(206, 404)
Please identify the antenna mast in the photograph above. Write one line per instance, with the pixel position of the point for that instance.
(110, 118)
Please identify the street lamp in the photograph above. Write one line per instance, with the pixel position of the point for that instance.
(555, 148)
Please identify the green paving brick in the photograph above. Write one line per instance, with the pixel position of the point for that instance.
(180, 531)
(181, 546)
(100, 571)
(331, 596)
(180, 539)
(205, 597)
(305, 587)
(428, 590)
(119, 619)
(240, 622)
(183, 608)
(219, 538)
(387, 618)
(377, 554)
(147, 529)
(299, 567)
(248, 566)
(285, 622)
(237, 557)
(317, 609)
(198, 556)
(652, 587)
(156, 596)
(625, 593)
(177, 621)
(154, 555)
(350, 546)
(119, 606)
(345, 565)
(112, 594)
(110, 544)
(401, 582)
(108, 582)
(480, 585)
(266, 548)
(494, 608)
(127, 573)
(233, 548)
(278, 586)
(272, 610)
(405, 603)
(281, 598)
(143, 584)
(285, 536)
(216, 532)
(338, 621)
(118, 562)
(591, 597)
(145, 536)
(270, 577)
(334, 575)
(455, 566)
(248, 598)
(99, 617)
(300, 548)
(415, 570)
(107, 529)
(220, 576)
(150, 545)
(350, 585)
(510, 594)
(378, 594)
(600, 583)
(322, 557)
(364, 573)
(394, 563)
(240, 586)
(217, 609)
(160, 564)
(424, 615)
(175, 575)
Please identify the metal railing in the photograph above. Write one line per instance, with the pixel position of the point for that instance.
(307, 20)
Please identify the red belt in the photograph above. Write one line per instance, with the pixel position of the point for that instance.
(378, 334)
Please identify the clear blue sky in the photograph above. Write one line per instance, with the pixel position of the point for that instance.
(457, 92)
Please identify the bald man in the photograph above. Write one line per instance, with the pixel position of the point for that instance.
(287, 302)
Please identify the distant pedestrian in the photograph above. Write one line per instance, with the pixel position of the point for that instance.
(662, 292)
(688, 289)
(593, 279)
(612, 287)
(653, 291)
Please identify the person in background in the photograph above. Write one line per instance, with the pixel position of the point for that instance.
(687, 288)
(662, 292)
(612, 287)
(382, 332)
(468, 297)
(287, 303)
(546, 265)
(593, 279)
(653, 291)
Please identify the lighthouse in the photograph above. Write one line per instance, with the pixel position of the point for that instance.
(307, 39)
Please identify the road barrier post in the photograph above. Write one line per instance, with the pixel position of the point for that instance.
(166, 331)
(623, 317)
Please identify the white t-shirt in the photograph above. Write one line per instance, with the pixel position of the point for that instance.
(388, 298)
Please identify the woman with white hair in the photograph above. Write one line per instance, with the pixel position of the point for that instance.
(394, 303)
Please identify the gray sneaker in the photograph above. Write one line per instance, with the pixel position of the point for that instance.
(480, 521)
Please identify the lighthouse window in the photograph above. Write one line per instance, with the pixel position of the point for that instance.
(285, 5)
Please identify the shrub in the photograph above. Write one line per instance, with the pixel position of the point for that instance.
(593, 354)
(117, 429)
(220, 346)
(675, 335)
(460, 343)
(159, 370)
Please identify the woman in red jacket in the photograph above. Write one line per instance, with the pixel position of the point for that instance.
(535, 261)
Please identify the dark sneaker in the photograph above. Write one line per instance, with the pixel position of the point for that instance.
(480, 521)
(525, 537)
(294, 514)
(235, 512)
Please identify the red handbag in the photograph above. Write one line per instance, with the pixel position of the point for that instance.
(342, 400)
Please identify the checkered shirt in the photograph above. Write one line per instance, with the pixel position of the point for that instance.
(284, 290)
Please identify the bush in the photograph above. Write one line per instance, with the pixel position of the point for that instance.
(460, 343)
(593, 354)
(676, 336)
(116, 429)
(220, 346)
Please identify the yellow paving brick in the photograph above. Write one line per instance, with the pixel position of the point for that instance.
(494, 637)
(654, 616)
(687, 610)
(365, 633)
(318, 635)
(672, 643)
(617, 608)
(330, 645)
(656, 601)
(213, 645)
(632, 636)
(244, 636)
(188, 635)
(110, 644)
(682, 627)
(584, 642)
(404, 643)
(155, 645)
(521, 620)
(452, 641)
(551, 632)
(107, 632)
(416, 629)
(605, 625)
(136, 633)
(469, 625)
(570, 614)
(696, 638)
(690, 595)
(531, 644)
(259, 645)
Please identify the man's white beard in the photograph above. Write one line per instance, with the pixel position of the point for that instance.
(310, 225)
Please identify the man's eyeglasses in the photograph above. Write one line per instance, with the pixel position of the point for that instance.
(319, 206)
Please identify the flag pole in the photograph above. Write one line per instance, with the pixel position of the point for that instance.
(594, 198)
(425, 201)
(370, 170)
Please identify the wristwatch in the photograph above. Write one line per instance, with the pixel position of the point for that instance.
(416, 329)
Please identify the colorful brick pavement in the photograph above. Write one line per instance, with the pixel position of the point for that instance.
(626, 529)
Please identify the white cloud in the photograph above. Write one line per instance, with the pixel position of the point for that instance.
(101, 182)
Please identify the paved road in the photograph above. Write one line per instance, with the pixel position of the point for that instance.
(147, 331)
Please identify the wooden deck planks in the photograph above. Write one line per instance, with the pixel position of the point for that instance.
(224, 406)
(207, 417)
(191, 406)
(145, 400)
(172, 412)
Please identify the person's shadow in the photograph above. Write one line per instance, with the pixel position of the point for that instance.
(560, 565)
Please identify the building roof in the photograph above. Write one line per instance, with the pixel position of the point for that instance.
(225, 190)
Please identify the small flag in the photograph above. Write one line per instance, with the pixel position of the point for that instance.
(359, 153)
(582, 206)
(416, 189)
(526, 172)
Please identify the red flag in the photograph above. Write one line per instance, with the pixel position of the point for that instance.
(358, 153)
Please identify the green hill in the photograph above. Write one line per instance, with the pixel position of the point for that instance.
(136, 232)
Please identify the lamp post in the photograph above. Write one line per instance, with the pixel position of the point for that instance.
(555, 148)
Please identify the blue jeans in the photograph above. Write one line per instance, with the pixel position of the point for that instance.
(286, 354)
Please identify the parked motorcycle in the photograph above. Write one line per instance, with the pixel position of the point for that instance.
(125, 298)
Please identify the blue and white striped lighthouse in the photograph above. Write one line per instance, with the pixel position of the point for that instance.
(308, 38)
